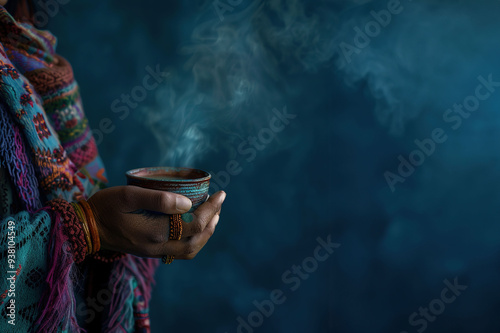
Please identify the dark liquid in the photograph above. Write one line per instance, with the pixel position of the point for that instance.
(164, 177)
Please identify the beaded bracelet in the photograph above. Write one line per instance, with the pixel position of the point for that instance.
(167, 259)
(175, 227)
(108, 256)
(174, 234)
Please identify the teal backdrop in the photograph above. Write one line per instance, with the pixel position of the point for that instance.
(358, 143)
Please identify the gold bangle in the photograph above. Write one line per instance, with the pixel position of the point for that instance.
(94, 232)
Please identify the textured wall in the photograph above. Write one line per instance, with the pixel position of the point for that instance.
(370, 87)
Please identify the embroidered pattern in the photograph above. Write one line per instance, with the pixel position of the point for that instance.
(41, 128)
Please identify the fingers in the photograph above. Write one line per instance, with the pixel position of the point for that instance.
(203, 237)
(186, 248)
(204, 214)
(199, 241)
(135, 198)
(211, 206)
(154, 240)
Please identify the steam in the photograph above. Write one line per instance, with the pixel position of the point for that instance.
(236, 70)
(423, 61)
(233, 78)
(409, 64)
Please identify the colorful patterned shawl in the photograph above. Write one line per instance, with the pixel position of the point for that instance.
(48, 152)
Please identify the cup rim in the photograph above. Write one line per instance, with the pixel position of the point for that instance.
(132, 174)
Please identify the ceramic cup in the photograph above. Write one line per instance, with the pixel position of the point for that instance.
(192, 183)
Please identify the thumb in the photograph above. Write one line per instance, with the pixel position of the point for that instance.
(135, 198)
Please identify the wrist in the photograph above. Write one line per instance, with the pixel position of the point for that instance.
(65, 217)
(89, 226)
(85, 228)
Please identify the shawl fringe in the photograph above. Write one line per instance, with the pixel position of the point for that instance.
(58, 302)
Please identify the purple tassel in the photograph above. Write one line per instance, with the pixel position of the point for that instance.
(58, 302)
(124, 269)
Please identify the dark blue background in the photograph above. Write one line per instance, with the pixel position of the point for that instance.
(324, 173)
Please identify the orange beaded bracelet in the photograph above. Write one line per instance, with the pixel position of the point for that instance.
(81, 215)
(174, 234)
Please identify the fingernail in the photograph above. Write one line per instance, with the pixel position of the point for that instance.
(222, 197)
(216, 218)
(182, 204)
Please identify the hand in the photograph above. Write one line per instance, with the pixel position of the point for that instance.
(122, 229)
